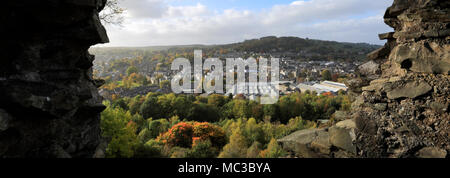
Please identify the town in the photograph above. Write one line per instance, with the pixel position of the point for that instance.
(294, 76)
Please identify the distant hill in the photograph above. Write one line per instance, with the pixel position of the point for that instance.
(304, 49)
(295, 44)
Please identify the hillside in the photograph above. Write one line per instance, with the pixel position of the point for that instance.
(298, 48)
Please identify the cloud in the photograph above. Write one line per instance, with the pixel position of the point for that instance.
(187, 11)
(339, 20)
(144, 8)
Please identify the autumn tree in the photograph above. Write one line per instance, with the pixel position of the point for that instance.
(326, 75)
(254, 150)
(273, 150)
(237, 148)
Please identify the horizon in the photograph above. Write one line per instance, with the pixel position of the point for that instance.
(182, 45)
(207, 22)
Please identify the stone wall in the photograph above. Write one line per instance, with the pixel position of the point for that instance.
(49, 102)
(403, 95)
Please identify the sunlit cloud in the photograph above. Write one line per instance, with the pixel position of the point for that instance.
(158, 22)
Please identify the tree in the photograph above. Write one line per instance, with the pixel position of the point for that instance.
(326, 75)
(335, 77)
(216, 100)
(120, 103)
(202, 149)
(157, 127)
(164, 84)
(117, 127)
(180, 106)
(273, 150)
(237, 148)
(253, 132)
(131, 70)
(150, 108)
(204, 113)
(254, 150)
(112, 13)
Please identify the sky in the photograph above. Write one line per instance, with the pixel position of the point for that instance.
(184, 22)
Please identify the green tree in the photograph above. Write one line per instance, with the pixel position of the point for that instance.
(165, 84)
(131, 70)
(216, 100)
(156, 127)
(326, 75)
(151, 108)
(117, 127)
(253, 132)
(237, 148)
(254, 150)
(204, 113)
(273, 150)
(151, 149)
(202, 149)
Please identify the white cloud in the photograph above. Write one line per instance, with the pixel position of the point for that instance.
(144, 8)
(187, 11)
(340, 20)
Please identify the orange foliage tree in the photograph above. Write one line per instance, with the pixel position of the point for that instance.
(187, 134)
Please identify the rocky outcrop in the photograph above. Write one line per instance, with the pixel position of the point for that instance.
(334, 142)
(401, 96)
(49, 105)
(402, 104)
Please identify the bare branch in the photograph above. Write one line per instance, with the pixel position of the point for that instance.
(112, 14)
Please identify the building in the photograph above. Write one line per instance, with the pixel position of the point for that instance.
(323, 87)
(340, 86)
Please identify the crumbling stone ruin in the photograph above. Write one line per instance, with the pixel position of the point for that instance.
(401, 97)
(404, 110)
(49, 102)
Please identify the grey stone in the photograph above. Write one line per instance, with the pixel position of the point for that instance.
(5, 118)
(431, 152)
(379, 54)
(439, 107)
(369, 68)
(359, 101)
(385, 36)
(380, 106)
(422, 57)
(340, 115)
(376, 85)
(342, 135)
(322, 143)
(410, 90)
(300, 143)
